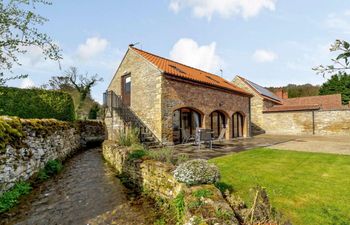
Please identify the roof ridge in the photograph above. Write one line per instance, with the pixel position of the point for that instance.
(175, 62)
(251, 84)
(191, 73)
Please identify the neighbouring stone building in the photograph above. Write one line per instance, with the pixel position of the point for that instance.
(171, 100)
(275, 113)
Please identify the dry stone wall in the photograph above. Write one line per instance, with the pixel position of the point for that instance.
(150, 175)
(157, 179)
(32, 143)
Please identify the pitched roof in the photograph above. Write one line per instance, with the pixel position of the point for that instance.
(326, 102)
(286, 108)
(182, 71)
(263, 92)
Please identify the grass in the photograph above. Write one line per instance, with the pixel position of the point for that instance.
(11, 197)
(179, 206)
(308, 188)
(51, 168)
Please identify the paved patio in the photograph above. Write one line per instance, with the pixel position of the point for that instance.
(335, 145)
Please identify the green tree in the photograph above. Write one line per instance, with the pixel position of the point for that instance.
(339, 83)
(18, 30)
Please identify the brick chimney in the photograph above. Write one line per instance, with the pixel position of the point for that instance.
(282, 94)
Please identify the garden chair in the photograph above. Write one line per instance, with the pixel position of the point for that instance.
(222, 135)
(185, 136)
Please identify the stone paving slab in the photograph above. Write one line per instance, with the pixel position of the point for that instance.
(335, 145)
(229, 146)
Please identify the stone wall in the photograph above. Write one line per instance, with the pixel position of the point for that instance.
(145, 92)
(334, 122)
(257, 103)
(30, 144)
(150, 175)
(157, 180)
(290, 123)
(177, 94)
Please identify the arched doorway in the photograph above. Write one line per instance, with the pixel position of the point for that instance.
(185, 122)
(217, 122)
(237, 125)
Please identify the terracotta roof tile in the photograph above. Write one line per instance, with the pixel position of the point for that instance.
(186, 72)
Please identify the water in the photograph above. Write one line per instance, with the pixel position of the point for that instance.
(85, 192)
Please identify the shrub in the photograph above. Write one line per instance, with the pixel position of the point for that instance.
(51, 168)
(129, 138)
(163, 155)
(168, 155)
(36, 103)
(224, 187)
(137, 154)
(197, 171)
(181, 158)
(11, 197)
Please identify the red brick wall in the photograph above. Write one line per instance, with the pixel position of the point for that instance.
(176, 94)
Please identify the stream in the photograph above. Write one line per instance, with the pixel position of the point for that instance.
(85, 192)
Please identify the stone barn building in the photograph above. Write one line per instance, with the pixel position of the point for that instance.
(275, 113)
(166, 99)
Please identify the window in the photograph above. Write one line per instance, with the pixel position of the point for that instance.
(127, 85)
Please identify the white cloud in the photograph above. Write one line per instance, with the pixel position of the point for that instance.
(188, 52)
(27, 83)
(92, 47)
(224, 8)
(263, 56)
(339, 22)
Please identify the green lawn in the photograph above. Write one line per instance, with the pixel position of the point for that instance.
(308, 188)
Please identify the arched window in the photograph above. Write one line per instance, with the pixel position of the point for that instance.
(237, 125)
(217, 122)
(185, 122)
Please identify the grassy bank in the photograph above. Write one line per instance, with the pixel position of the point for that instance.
(12, 197)
(308, 188)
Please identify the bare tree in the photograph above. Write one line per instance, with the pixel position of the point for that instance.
(82, 82)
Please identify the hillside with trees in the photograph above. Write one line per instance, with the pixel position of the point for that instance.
(302, 90)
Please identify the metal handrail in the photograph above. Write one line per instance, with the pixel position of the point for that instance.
(114, 101)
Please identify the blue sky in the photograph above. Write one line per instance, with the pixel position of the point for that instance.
(271, 42)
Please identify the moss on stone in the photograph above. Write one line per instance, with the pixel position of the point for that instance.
(14, 129)
(10, 132)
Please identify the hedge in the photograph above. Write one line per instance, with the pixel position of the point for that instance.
(36, 103)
